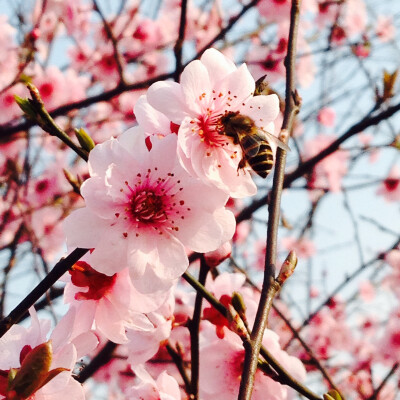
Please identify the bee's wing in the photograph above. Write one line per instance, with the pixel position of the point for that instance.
(271, 138)
(251, 144)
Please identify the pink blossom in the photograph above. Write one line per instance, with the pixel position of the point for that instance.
(329, 331)
(367, 291)
(15, 344)
(327, 173)
(390, 343)
(51, 86)
(268, 60)
(279, 10)
(9, 53)
(8, 106)
(327, 13)
(314, 292)
(164, 388)
(47, 231)
(390, 187)
(303, 247)
(105, 68)
(326, 116)
(221, 365)
(241, 233)
(354, 17)
(142, 209)
(106, 303)
(223, 287)
(385, 30)
(209, 88)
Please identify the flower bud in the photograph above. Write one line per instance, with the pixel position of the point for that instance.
(33, 373)
(26, 106)
(239, 305)
(236, 323)
(332, 395)
(84, 139)
(287, 268)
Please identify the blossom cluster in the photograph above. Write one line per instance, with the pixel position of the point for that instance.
(154, 194)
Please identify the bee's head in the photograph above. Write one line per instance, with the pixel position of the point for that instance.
(228, 117)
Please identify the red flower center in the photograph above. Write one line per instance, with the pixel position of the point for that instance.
(46, 90)
(42, 185)
(391, 184)
(270, 63)
(147, 207)
(395, 339)
(210, 130)
(83, 275)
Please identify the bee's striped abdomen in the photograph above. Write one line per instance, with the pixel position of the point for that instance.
(263, 161)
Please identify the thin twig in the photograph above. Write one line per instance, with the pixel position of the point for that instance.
(222, 33)
(114, 42)
(270, 286)
(39, 113)
(374, 395)
(101, 358)
(177, 359)
(194, 329)
(343, 284)
(56, 273)
(179, 43)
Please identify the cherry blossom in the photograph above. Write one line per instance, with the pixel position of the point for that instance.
(18, 343)
(221, 364)
(329, 172)
(303, 247)
(165, 387)
(142, 208)
(326, 116)
(385, 29)
(223, 288)
(208, 89)
(390, 187)
(109, 304)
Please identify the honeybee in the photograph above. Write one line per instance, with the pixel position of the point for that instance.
(254, 142)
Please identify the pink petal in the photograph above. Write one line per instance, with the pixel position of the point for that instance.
(167, 97)
(173, 260)
(83, 228)
(151, 120)
(210, 234)
(196, 86)
(262, 109)
(239, 83)
(109, 322)
(217, 64)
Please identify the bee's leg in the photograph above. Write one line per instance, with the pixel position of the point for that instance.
(241, 165)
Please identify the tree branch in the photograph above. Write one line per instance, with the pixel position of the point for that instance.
(56, 273)
(270, 286)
